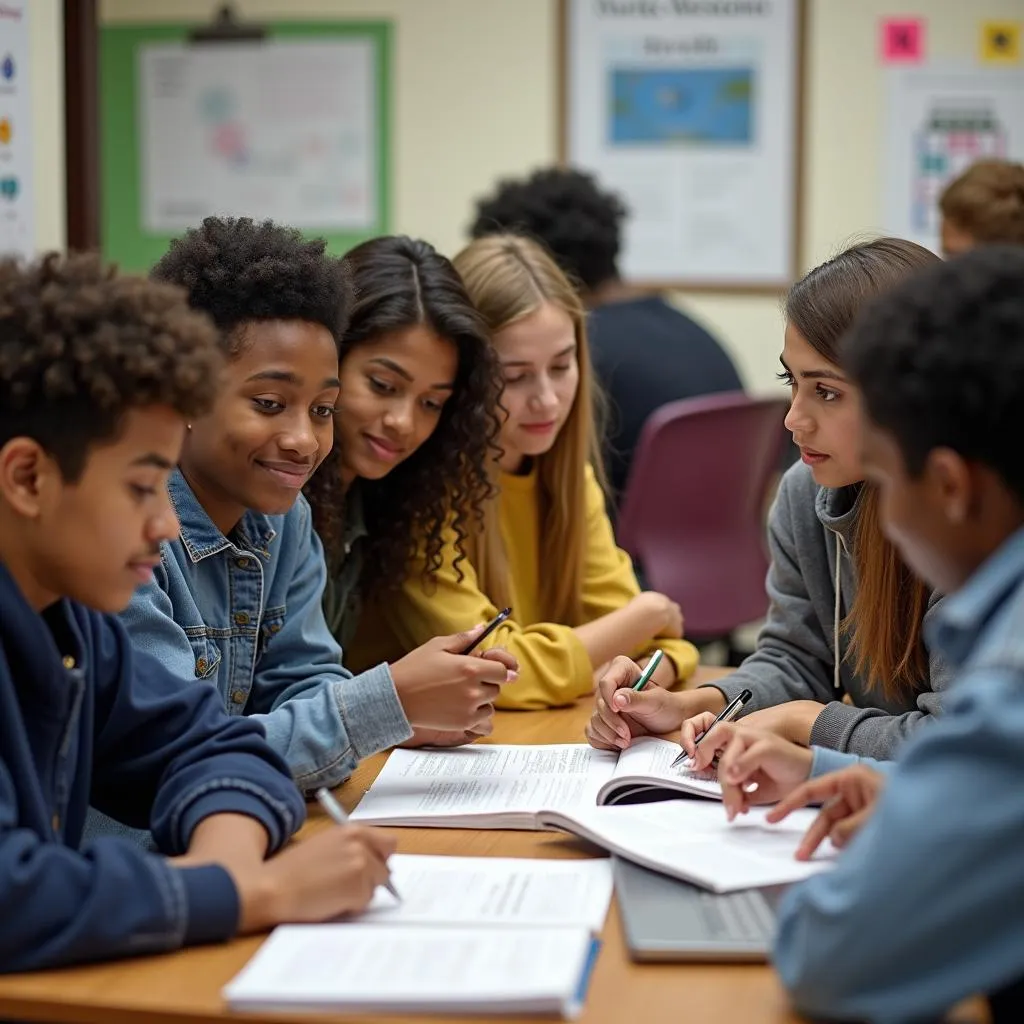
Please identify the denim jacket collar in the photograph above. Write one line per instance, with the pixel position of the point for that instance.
(201, 537)
(963, 616)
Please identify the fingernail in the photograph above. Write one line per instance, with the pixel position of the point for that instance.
(511, 675)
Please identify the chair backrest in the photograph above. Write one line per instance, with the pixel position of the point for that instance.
(693, 510)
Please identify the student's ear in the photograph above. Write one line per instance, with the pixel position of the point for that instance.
(953, 482)
(27, 475)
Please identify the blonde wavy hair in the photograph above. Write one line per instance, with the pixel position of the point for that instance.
(510, 277)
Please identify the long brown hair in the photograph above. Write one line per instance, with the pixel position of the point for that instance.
(884, 624)
(508, 277)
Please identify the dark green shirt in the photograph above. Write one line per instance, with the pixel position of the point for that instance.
(342, 598)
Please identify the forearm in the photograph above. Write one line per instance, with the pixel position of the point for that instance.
(616, 633)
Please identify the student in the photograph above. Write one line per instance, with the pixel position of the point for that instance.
(846, 614)
(97, 376)
(646, 352)
(925, 908)
(236, 601)
(545, 547)
(984, 205)
(416, 418)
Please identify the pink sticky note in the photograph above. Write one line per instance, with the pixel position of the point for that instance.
(903, 40)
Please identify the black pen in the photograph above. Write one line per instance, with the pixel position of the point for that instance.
(729, 712)
(488, 630)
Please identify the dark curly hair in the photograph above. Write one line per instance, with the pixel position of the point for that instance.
(400, 282)
(568, 213)
(940, 361)
(237, 270)
(80, 346)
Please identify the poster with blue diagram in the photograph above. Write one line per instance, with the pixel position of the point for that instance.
(696, 105)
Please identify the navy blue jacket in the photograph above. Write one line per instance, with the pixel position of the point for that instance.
(85, 719)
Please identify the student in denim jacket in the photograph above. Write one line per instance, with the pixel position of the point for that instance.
(97, 376)
(414, 434)
(236, 600)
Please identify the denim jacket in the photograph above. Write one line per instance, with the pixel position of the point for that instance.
(244, 614)
(84, 717)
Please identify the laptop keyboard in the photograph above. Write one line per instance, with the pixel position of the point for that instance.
(736, 916)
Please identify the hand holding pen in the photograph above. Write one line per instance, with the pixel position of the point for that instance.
(728, 713)
(337, 814)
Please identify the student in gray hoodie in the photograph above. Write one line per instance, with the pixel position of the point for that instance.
(836, 584)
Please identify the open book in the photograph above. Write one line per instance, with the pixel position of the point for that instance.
(441, 970)
(495, 786)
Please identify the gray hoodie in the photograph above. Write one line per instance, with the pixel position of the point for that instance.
(811, 587)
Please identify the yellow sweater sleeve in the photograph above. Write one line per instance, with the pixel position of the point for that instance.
(554, 668)
(610, 583)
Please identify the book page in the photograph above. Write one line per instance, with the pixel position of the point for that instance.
(485, 779)
(651, 758)
(692, 839)
(353, 965)
(494, 890)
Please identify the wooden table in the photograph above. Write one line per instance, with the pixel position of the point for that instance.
(184, 987)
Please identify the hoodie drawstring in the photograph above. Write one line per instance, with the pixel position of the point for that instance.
(835, 617)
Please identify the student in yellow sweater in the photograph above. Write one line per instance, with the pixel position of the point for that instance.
(546, 546)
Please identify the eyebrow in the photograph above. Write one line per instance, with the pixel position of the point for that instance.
(404, 374)
(153, 460)
(816, 374)
(526, 362)
(287, 377)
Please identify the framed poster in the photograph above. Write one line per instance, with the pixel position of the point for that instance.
(689, 109)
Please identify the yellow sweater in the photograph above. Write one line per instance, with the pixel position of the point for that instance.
(554, 667)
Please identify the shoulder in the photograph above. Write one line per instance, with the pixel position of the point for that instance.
(797, 495)
(594, 497)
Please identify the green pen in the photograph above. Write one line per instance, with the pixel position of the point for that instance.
(652, 666)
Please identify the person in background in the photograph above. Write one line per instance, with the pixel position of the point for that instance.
(645, 351)
(413, 433)
(98, 374)
(236, 600)
(985, 205)
(841, 661)
(545, 546)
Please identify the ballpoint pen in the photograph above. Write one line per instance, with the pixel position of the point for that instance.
(648, 672)
(337, 814)
(729, 712)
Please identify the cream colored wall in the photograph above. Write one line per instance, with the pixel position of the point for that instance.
(475, 98)
(46, 59)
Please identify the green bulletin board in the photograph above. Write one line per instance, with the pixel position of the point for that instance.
(124, 240)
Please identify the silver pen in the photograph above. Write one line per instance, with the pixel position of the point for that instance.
(337, 814)
(729, 712)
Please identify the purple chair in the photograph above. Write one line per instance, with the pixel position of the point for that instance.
(692, 514)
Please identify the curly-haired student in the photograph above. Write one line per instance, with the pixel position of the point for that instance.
(417, 417)
(646, 352)
(236, 601)
(98, 374)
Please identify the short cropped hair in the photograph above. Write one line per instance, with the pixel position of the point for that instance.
(81, 345)
(987, 202)
(237, 270)
(940, 361)
(568, 213)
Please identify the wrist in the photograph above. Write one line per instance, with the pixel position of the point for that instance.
(709, 698)
(259, 900)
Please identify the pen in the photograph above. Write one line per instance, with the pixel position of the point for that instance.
(648, 672)
(337, 814)
(731, 710)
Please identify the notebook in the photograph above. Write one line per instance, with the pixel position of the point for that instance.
(664, 919)
(413, 969)
(496, 786)
(692, 840)
(499, 891)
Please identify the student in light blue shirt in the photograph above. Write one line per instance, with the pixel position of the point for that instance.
(236, 600)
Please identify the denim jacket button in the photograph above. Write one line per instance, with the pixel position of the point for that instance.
(201, 665)
(241, 618)
(238, 696)
(69, 662)
(242, 563)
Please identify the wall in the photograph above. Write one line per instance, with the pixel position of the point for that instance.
(475, 98)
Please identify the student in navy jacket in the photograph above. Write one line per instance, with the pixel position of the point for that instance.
(98, 374)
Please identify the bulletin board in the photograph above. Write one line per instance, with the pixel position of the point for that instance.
(294, 128)
(691, 113)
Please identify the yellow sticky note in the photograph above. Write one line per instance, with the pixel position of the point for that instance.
(1000, 42)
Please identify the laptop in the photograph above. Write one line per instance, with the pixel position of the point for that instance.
(665, 919)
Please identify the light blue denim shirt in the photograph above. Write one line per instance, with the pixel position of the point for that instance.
(244, 614)
(926, 905)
